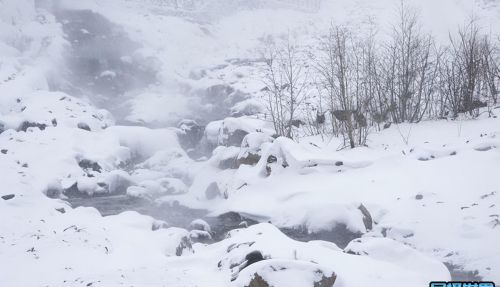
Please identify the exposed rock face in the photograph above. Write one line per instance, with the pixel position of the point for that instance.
(234, 138)
(248, 159)
(229, 221)
(251, 146)
(258, 281)
(226, 157)
(184, 245)
(8, 196)
(54, 190)
(88, 166)
(199, 224)
(229, 163)
(253, 257)
(274, 161)
(326, 281)
(212, 191)
(190, 135)
(159, 224)
(83, 126)
(275, 271)
(26, 125)
(367, 217)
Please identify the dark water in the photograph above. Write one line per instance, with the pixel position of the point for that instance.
(181, 216)
(174, 214)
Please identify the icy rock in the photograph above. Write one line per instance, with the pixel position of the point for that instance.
(190, 134)
(54, 190)
(234, 138)
(61, 210)
(200, 236)
(232, 131)
(250, 152)
(159, 224)
(88, 166)
(367, 217)
(199, 224)
(225, 157)
(83, 126)
(8, 196)
(248, 158)
(253, 257)
(212, 191)
(283, 273)
(275, 162)
(258, 281)
(26, 125)
(185, 246)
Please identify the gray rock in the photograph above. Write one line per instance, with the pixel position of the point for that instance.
(26, 125)
(235, 138)
(229, 163)
(61, 210)
(248, 159)
(88, 165)
(8, 196)
(367, 217)
(184, 245)
(83, 126)
(159, 224)
(190, 134)
(258, 281)
(212, 191)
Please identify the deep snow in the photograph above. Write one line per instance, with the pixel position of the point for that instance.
(434, 200)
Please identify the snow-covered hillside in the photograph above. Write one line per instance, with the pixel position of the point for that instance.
(151, 113)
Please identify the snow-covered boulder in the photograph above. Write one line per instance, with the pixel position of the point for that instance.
(231, 131)
(251, 146)
(225, 157)
(43, 109)
(286, 273)
(389, 250)
(190, 134)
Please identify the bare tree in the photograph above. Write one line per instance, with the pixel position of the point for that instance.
(340, 65)
(286, 78)
(410, 68)
(469, 73)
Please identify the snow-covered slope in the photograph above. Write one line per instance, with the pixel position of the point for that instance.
(71, 70)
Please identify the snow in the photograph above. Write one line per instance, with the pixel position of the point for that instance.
(433, 196)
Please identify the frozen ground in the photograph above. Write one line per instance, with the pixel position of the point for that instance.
(90, 96)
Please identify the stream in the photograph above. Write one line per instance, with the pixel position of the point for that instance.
(101, 66)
